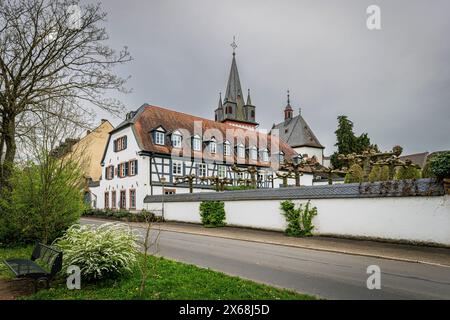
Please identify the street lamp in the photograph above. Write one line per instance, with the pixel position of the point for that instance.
(163, 181)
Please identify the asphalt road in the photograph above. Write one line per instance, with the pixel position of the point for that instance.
(327, 275)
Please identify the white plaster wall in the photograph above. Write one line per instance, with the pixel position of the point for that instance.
(140, 182)
(311, 152)
(421, 219)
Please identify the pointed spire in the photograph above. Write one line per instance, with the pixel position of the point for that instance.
(288, 111)
(249, 100)
(234, 45)
(288, 106)
(234, 83)
(220, 105)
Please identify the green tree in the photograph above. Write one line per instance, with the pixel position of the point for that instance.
(355, 174)
(47, 199)
(405, 173)
(379, 173)
(348, 143)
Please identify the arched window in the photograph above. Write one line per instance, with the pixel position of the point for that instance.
(253, 113)
(229, 110)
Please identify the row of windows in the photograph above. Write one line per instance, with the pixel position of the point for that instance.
(202, 170)
(122, 199)
(124, 169)
(212, 146)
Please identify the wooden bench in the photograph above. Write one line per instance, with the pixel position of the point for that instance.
(28, 268)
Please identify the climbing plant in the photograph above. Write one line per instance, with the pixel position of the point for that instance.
(212, 213)
(299, 219)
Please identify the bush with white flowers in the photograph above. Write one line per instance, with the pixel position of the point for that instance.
(104, 251)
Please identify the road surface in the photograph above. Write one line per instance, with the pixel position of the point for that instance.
(324, 274)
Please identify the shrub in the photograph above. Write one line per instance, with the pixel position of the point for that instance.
(299, 219)
(212, 213)
(379, 173)
(46, 199)
(100, 252)
(355, 174)
(440, 165)
(406, 173)
(239, 188)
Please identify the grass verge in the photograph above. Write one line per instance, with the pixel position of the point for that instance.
(168, 280)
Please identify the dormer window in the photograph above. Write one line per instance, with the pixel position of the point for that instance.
(265, 155)
(240, 151)
(176, 139)
(281, 157)
(159, 136)
(226, 148)
(197, 143)
(213, 146)
(253, 153)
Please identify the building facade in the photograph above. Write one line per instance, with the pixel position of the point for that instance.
(148, 151)
(298, 134)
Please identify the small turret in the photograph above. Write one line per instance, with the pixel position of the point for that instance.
(288, 111)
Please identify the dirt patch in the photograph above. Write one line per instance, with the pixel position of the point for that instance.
(11, 289)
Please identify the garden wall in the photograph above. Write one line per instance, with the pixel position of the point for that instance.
(414, 211)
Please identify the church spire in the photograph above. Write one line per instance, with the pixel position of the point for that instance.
(249, 100)
(219, 105)
(234, 90)
(288, 111)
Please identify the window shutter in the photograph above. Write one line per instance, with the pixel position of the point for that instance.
(115, 145)
(125, 142)
(118, 170)
(126, 168)
(135, 167)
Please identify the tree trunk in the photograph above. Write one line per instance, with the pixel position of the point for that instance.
(8, 139)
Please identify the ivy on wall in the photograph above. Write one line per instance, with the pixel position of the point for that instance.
(299, 219)
(212, 213)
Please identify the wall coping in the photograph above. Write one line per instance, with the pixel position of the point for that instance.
(404, 188)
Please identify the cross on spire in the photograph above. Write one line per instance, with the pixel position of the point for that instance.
(234, 45)
(288, 97)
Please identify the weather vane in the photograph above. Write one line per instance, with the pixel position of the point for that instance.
(234, 45)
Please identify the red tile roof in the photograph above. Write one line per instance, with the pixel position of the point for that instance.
(149, 118)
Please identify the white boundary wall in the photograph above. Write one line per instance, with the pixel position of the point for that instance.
(416, 219)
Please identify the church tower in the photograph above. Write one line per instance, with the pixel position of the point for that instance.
(234, 109)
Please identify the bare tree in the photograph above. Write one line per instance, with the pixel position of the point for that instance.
(147, 244)
(52, 51)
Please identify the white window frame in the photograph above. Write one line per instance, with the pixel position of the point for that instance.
(222, 172)
(176, 139)
(253, 153)
(281, 158)
(227, 148)
(241, 151)
(132, 168)
(177, 168)
(197, 143)
(213, 146)
(160, 138)
(202, 170)
(265, 155)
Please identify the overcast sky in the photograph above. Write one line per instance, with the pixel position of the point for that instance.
(393, 83)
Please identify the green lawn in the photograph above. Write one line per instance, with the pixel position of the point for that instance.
(168, 280)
